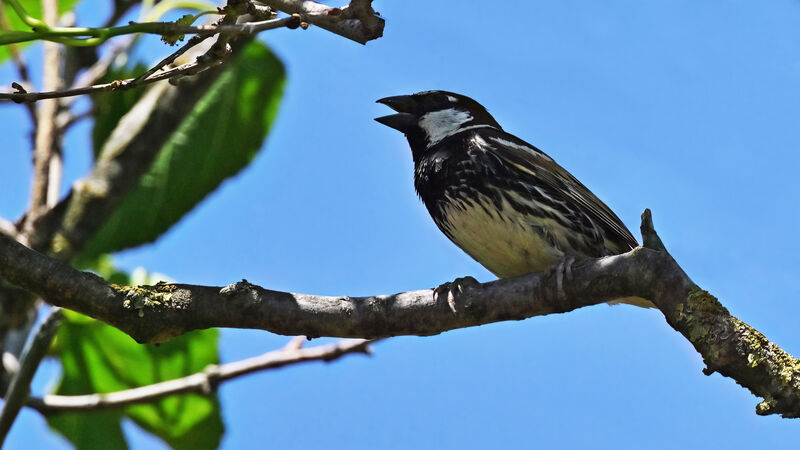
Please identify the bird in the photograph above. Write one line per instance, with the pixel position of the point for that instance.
(503, 201)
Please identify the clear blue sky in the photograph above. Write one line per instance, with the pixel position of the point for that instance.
(688, 108)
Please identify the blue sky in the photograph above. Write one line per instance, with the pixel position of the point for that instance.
(688, 108)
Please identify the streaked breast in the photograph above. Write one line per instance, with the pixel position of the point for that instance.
(508, 243)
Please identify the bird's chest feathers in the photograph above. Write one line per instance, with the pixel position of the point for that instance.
(479, 218)
(502, 240)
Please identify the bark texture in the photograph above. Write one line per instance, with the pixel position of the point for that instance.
(164, 311)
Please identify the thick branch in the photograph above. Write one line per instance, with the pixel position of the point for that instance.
(161, 312)
(156, 313)
(203, 383)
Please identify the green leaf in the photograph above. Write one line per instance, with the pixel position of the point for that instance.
(82, 369)
(110, 106)
(172, 39)
(219, 137)
(99, 358)
(187, 421)
(34, 9)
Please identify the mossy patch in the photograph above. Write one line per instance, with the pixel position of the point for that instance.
(701, 314)
(754, 362)
(140, 298)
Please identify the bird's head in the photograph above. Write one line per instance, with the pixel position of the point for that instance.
(426, 118)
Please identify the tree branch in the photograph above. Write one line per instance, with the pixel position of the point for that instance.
(7, 227)
(204, 382)
(128, 153)
(19, 63)
(193, 41)
(161, 312)
(99, 69)
(356, 21)
(47, 154)
(95, 36)
(21, 382)
(184, 69)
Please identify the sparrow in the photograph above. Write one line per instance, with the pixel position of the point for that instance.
(503, 201)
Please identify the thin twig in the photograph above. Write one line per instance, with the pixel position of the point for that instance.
(194, 40)
(67, 119)
(31, 357)
(204, 382)
(296, 343)
(100, 68)
(46, 150)
(184, 69)
(54, 79)
(96, 36)
(7, 227)
(22, 67)
(356, 21)
(55, 171)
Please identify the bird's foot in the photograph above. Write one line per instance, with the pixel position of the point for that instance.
(453, 289)
(562, 269)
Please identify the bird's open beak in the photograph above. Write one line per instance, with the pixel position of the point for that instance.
(404, 119)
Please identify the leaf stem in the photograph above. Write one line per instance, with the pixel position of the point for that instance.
(85, 37)
(26, 18)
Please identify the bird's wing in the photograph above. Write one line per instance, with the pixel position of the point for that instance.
(530, 161)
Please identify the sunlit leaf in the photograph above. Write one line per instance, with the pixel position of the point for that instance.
(218, 138)
(99, 358)
(109, 107)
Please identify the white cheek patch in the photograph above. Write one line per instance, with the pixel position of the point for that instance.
(437, 125)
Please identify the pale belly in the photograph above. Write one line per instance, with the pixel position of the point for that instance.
(510, 247)
(507, 245)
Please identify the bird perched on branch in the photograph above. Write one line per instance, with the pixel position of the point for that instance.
(504, 202)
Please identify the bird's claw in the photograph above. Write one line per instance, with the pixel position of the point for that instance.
(564, 267)
(452, 289)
